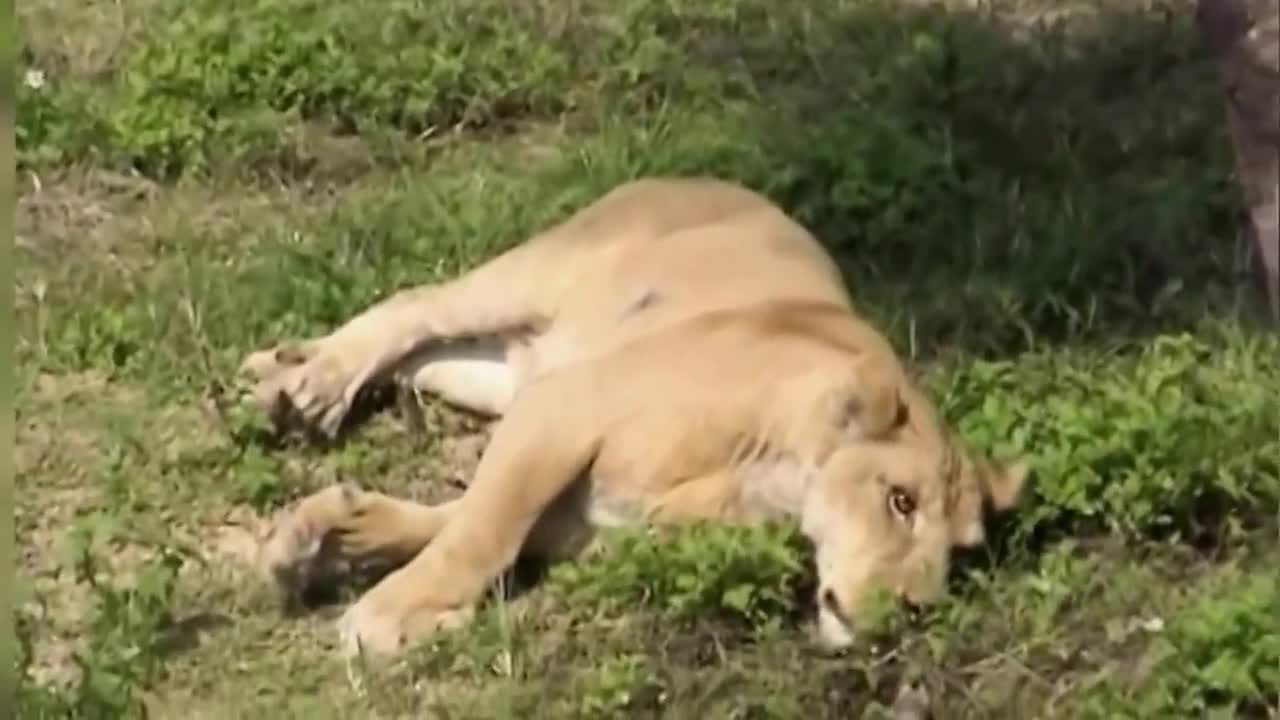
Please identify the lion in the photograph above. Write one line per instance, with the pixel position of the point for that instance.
(678, 350)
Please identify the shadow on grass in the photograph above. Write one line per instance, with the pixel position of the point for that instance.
(989, 183)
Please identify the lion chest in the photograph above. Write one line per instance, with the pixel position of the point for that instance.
(773, 488)
(759, 489)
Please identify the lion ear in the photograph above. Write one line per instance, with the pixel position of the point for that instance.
(875, 400)
(875, 410)
(1003, 483)
(869, 410)
(989, 485)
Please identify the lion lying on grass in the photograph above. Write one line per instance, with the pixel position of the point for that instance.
(679, 349)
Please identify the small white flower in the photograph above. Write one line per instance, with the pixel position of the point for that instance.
(1153, 625)
(34, 79)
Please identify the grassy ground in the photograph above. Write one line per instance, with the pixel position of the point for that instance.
(1032, 198)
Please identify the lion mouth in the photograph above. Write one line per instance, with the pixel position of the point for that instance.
(835, 633)
(835, 630)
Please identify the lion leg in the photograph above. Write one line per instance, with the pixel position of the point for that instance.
(315, 382)
(344, 523)
(528, 465)
(474, 375)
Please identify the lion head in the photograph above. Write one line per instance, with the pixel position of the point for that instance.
(884, 517)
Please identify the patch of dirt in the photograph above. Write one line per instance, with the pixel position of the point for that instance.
(80, 218)
(88, 214)
(38, 439)
(54, 463)
(67, 435)
(73, 205)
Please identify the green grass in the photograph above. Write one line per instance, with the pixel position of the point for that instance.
(1034, 205)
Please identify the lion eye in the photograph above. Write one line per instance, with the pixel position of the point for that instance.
(901, 502)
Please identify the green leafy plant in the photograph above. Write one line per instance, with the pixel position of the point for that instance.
(611, 687)
(124, 636)
(1131, 442)
(1218, 657)
(744, 574)
(54, 123)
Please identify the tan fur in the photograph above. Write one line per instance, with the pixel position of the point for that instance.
(679, 349)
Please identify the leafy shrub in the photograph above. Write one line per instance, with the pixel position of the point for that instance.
(748, 575)
(1219, 657)
(209, 83)
(1137, 443)
(192, 86)
(54, 124)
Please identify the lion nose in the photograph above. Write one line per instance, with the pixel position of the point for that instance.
(830, 602)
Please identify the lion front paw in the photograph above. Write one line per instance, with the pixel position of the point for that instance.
(364, 629)
(307, 384)
(374, 627)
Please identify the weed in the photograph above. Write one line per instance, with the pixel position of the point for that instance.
(746, 574)
(613, 686)
(1131, 441)
(1219, 657)
(122, 650)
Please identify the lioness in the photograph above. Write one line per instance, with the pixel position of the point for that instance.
(679, 349)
